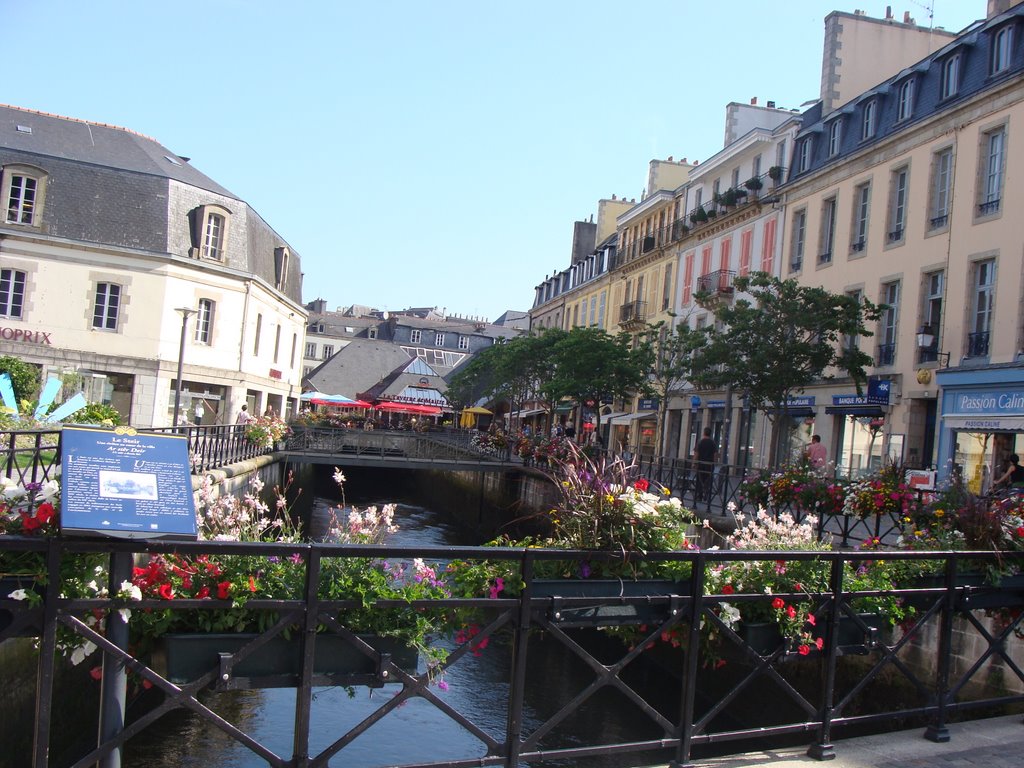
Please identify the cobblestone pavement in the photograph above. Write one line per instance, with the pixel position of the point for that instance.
(990, 743)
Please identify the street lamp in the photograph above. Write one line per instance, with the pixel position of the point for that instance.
(926, 343)
(186, 312)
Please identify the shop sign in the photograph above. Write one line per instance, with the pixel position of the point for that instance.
(715, 403)
(275, 374)
(802, 401)
(647, 404)
(878, 391)
(859, 400)
(122, 483)
(971, 403)
(921, 479)
(25, 336)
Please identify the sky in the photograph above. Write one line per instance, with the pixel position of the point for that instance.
(431, 153)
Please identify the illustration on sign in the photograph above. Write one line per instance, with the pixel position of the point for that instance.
(122, 483)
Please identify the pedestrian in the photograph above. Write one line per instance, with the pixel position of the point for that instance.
(704, 454)
(816, 453)
(244, 417)
(570, 431)
(269, 413)
(1013, 477)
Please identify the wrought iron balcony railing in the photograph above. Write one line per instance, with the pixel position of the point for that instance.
(885, 354)
(632, 312)
(977, 344)
(719, 281)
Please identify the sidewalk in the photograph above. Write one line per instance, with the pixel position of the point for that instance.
(996, 742)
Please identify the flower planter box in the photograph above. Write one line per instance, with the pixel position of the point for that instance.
(9, 584)
(764, 638)
(1009, 593)
(186, 657)
(562, 599)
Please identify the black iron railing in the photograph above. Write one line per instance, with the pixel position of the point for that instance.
(987, 209)
(633, 312)
(977, 344)
(719, 281)
(684, 609)
(885, 354)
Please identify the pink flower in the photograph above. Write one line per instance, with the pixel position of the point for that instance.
(804, 649)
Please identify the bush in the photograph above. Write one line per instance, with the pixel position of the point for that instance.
(96, 413)
(24, 377)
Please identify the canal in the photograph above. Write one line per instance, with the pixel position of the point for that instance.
(416, 732)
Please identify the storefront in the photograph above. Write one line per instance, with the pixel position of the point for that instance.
(981, 423)
(859, 439)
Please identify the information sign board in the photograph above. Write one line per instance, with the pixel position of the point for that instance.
(122, 483)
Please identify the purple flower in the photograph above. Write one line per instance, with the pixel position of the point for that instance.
(442, 685)
(585, 570)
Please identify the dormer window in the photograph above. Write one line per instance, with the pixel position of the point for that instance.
(1002, 48)
(803, 157)
(23, 190)
(867, 123)
(209, 226)
(834, 137)
(281, 258)
(951, 76)
(905, 102)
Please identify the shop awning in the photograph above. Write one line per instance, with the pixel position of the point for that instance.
(626, 418)
(976, 423)
(606, 418)
(799, 412)
(855, 410)
(564, 407)
(525, 414)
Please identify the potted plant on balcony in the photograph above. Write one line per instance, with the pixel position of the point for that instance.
(775, 174)
(753, 184)
(729, 198)
(699, 216)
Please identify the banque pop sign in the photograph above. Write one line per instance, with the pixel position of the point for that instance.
(122, 483)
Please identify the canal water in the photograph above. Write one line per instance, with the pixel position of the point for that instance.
(416, 732)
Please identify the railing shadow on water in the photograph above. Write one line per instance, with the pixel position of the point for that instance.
(712, 703)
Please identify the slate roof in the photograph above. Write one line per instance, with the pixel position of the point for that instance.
(97, 144)
(357, 367)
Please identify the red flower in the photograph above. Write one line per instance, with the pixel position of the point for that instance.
(804, 649)
(224, 590)
(728, 589)
(791, 611)
(1020, 531)
(819, 643)
(166, 591)
(203, 593)
(96, 673)
(811, 620)
(252, 583)
(778, 603)
(641, 485)
(44, 512)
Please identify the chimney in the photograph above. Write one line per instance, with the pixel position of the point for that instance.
(907, 18)
(753, 102)
(614, 198)
(888, 13)
(771, 105)
(670, 159)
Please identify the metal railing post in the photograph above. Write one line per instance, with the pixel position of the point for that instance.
(114, 680)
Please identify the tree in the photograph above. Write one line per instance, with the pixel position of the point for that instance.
(24, 377)
(785, 338)
(674, 346)
(589, 364)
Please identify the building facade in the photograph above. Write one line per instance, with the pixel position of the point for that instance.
(905, 196)
(116, 253)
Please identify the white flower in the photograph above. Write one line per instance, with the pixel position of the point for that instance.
(50, 489)
(18, 594)
(126, 614)
(81, 652)
(129, 591)
(729, 614)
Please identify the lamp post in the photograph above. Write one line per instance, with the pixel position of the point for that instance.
(186, 312)
(926, 343)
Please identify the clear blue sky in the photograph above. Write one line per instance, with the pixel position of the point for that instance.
(425, 153)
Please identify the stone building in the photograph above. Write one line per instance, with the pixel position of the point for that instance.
(115, 252)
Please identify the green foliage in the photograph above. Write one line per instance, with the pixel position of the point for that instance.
(591, 364)
(812, 325)
(24, 377)
(96, 413)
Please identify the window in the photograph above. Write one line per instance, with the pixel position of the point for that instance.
(803, 158)
(867, 125)
(780, 154)
(905, 100)
(861, 206)
(942, 178)
(277, 343)
(1002, 46)
(828, 230)
(108, 300)
(666, 289)
(204, 322)
(259, 331)
(931, 313)
(295, 344)
(281, 258)
(950, 76)
(994, 146)
(12, 293)
(21, 199)
(746, 250)
(799, 240)
(209, 225)
(890, 321)
(371, 333)
(310, 349)
(463, 342)
(438, 339)
(213, 237)
(898, 204)
(853, 342)
(834, 137)
(981, 308)
(735, 178)
(328, 351)
(600, 311)
(755, 167)
(415, 336)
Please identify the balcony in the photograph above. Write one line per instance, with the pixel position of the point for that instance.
(858, 246)
(796, 265)
(977, 344)
(928, 355)
(937, 222)
(988, 208)
(896, 235)
(885, 354)
(632, 314)
(825, 258)
(718, 282)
